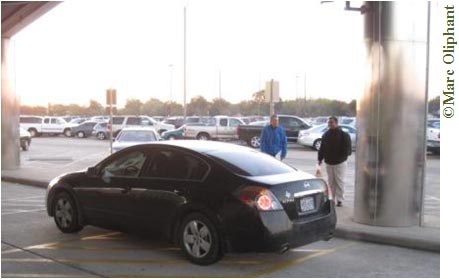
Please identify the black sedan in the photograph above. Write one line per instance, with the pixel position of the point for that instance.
(207, 198)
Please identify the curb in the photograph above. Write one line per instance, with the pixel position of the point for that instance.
(31, 182)
(405, 242)
(340, 232)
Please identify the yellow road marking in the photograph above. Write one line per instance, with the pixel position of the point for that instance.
(258, 273)
(102, 236)
(287, 263)
(53, 245)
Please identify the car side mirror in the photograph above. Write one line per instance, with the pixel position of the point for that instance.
(92, 171)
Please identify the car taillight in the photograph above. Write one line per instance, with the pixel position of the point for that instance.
(258, 197)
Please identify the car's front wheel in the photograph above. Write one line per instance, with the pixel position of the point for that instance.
(199, 240)
(100, 136)
(255, 142)
(66, 213)
(67, 132)
(80, 134)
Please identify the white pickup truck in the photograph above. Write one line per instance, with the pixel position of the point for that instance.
(37, 125)
(218, 127)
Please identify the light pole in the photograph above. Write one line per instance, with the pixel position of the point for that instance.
(184, 62)
(170, 82)
(220, 83)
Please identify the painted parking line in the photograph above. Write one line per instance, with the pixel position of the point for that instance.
(19, 211)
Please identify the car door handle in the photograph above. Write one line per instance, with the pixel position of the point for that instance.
(178, 192)
(125, 190)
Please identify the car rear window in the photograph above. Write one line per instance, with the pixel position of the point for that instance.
(250, 162)
(136, 136)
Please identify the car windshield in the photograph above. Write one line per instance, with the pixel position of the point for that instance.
(136, 136)
(250, 163)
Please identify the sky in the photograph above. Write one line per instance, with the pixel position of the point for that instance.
(79, 49)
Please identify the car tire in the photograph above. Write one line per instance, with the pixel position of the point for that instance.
(65, 213)
(203, 136)
(199, 240)
(33, 132)
(255, 142)
(25, 145)
(100, 136)
(67, 133)
(80, 134)
(316, 144)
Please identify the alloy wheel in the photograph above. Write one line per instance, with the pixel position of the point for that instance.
(197, 239)
(255, 142)
(64, 213)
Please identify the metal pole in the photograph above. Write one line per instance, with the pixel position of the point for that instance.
(305, 86)
(184, 62)
(271, 102)
(220, 83)
(423, 176)
(110, 100)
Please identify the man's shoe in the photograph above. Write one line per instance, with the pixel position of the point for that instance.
(339, 204)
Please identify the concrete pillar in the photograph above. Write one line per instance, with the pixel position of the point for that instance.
(391, 113)
(10, 109)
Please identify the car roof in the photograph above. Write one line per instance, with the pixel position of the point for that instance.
(203, 146)
(138, 129)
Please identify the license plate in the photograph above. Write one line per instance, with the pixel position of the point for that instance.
(307, 204)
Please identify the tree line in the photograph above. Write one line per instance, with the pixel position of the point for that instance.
(200, 106)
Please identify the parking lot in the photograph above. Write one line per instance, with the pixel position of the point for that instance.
(32, 246)
(51, 156)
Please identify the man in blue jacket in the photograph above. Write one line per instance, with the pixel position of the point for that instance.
(273, 139)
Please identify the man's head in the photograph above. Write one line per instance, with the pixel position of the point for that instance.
(332, 122)
(274, 120)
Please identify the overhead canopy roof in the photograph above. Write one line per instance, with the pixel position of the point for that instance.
(16, 15)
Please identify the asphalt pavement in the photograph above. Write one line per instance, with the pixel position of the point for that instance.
(32, 246)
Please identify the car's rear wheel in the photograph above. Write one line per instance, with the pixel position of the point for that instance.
(203, 136)
(255, 142)
(100, 136)
(199, 240)
(66, 213)
(80, 134)
(317, 144)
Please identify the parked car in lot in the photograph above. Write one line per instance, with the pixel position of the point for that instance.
(218, 127)
(292, 125)
(134, 136)
(84, 129)
(120, 122)
(433, 136)
(313, 137)
(100, 131)
(177, 121)
(174, 134)
(209, 199)
(37, 125)
(25, 139)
